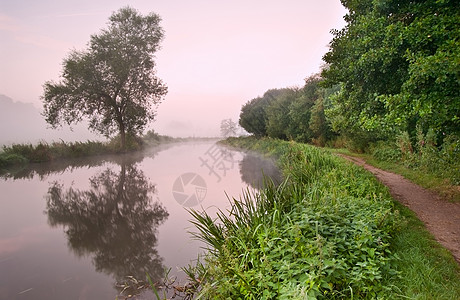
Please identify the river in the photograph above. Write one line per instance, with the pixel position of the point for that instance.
(76, 229)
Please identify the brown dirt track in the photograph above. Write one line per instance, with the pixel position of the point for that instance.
(442, 218)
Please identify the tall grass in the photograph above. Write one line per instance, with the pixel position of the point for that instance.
(325, 232)
(43, 152)
(19, 154)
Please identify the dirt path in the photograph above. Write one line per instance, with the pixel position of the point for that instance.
(441, 218)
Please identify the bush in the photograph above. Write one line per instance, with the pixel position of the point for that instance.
(10, 159)
(24, 150)
(385, 152)
(43, 152)
(133, 143)
(323, 233)
(423, 155)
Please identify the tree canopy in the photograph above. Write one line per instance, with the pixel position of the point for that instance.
(290, 113)
(398, 64)
(113, 82)
(390, 86)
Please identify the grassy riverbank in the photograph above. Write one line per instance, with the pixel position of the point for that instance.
(330, 231)
(20, 154)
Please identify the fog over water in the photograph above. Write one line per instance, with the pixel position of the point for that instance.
(74, 229)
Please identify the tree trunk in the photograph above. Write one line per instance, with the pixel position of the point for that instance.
(122, 136)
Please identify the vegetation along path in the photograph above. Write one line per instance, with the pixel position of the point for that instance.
(441, 218)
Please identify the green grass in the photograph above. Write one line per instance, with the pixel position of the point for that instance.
(20, 154)
(428, 270)
(428, 180)
(330, 231)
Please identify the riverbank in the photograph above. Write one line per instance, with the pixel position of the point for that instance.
(331, 230)
(19, 155)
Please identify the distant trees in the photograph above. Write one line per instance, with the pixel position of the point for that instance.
(113, 82)
(393, 70)
(228, 128)
(289, 113)
(278, 121)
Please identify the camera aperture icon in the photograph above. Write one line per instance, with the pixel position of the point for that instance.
(189, 189)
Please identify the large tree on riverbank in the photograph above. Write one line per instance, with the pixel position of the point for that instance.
(113, 82)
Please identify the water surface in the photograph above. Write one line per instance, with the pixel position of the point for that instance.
(74, 229)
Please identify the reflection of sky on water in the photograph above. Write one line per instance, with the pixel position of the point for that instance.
(108, 217)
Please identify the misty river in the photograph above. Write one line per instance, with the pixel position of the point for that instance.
(73, 229)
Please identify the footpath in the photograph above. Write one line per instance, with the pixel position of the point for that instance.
(442, 218)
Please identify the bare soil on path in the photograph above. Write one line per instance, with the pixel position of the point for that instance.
(442, 218)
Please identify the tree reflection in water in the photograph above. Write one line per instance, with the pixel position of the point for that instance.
(115, 222)
(254, 169)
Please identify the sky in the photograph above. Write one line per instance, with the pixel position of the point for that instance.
(216, 55)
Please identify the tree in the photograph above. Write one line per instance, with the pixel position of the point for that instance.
(228, 128)
(113, 82)
(257, 171)
(398, 65)
(253, 116)
(278, 118)
(300, 110)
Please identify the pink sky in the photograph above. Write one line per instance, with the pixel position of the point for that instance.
(216, 55)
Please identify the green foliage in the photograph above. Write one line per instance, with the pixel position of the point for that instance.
(112, 82)
(43, 152)
(253, 116)
(300, 110)
(319, 126)
(398, 65)
(425, 156)
(325, 232)
(278, 118)
(442, 162)
(384, 152)
(132, 143)
(290, 113)
(17, 154)
(39, 153)
(10, 159)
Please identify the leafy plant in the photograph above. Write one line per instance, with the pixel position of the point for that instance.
(325, 232)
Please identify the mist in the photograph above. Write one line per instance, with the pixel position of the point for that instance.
(22, 123)
(215, 56)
